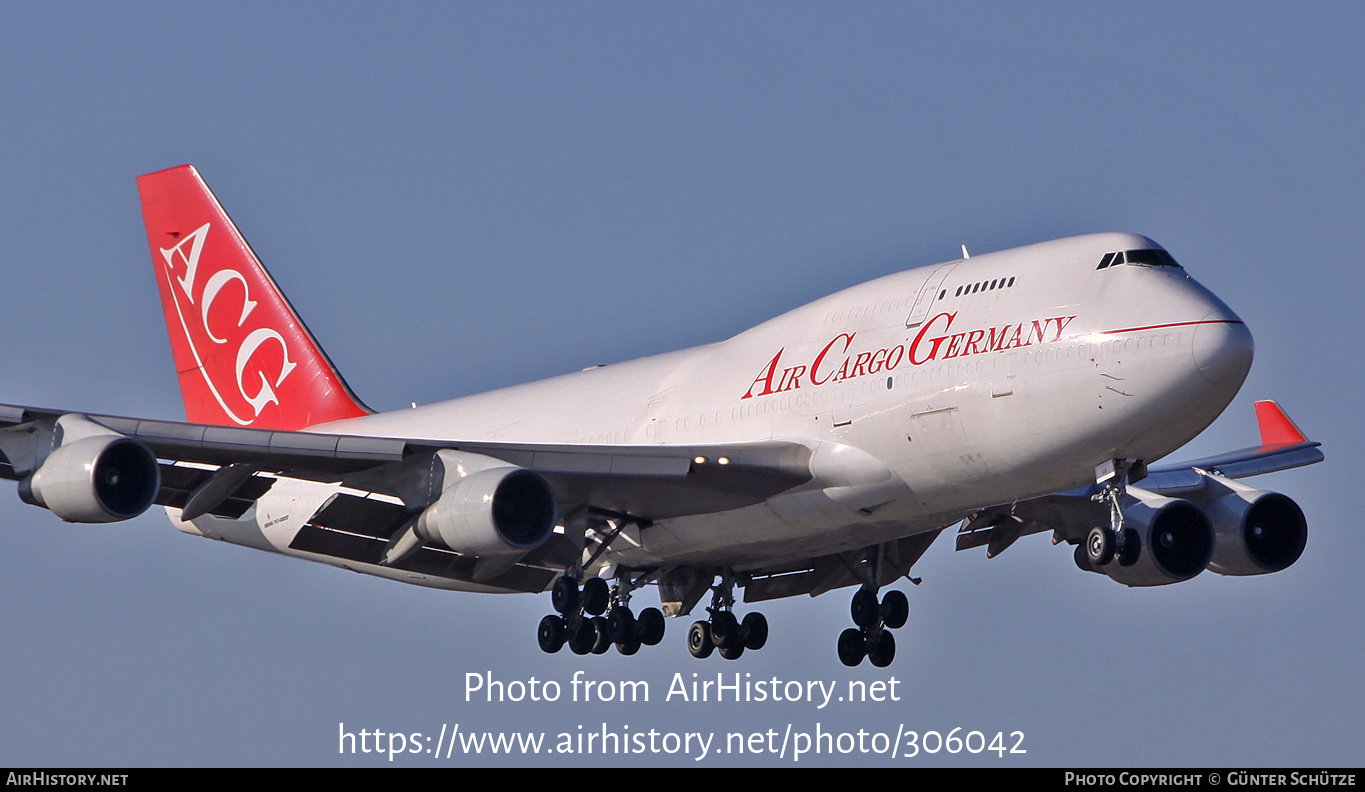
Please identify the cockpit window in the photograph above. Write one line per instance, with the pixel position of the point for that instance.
(1150, 258)
(1143, 258)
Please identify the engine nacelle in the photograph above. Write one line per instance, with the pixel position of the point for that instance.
(97, 479)
(495, 511)
(1256, 532)
(1177, 541)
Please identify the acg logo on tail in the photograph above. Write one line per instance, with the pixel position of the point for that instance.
(215, 309)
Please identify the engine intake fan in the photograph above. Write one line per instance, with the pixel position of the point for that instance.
(495, 511)
(1257, 532)
(1176, 541)
(97, 479)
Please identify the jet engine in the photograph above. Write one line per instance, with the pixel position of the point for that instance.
(1256, 531)
(498, 510)
(1176, 541)
(96, 479)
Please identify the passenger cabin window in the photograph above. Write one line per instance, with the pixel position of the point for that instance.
(1142, 258)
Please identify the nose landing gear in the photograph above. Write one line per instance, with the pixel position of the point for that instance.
(1105, 544)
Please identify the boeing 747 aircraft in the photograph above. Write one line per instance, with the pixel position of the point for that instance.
(1000, 395)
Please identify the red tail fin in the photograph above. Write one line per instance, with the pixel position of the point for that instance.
(243, 356)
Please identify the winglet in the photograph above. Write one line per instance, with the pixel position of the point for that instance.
(1276, 427)
(243, 355)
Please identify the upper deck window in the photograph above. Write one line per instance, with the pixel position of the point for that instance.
(1143, 258)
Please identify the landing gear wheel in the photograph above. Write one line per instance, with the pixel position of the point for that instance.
(882, 651)
(629, 646)
(550, 634)
(620, 624)
(864, 608)
(583, 639)
(602, 639)
(895, 609)
(852, 647)
(596, 596)
(699, 640)
(564, 595)
(724, 629)
(1099, 546)
(1132, 547)
(731, 652)
(650, 626)
(753, 631)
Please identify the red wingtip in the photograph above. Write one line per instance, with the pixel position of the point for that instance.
(243, 355)
(1276, 427)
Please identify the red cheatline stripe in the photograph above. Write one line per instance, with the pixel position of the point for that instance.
(1173, 324)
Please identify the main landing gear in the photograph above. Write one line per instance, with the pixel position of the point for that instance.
(872, 637)
(580, 622)
(724, 632)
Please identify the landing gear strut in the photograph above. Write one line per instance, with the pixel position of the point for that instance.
(724, 632)
(872, 637)
(1104, 544)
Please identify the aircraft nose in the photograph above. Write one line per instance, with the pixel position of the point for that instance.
(1223, 348)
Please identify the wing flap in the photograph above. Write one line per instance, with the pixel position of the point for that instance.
(179, 482)
(432, 561)
(353, 514)
(815, 576)
(999, 526)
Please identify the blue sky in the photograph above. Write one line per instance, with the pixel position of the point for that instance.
(459, 197)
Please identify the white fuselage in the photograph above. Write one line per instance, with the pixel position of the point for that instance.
(923, 395)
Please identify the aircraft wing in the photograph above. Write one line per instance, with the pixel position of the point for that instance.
(641, 482)
(1282, 447)
(1072, 513)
